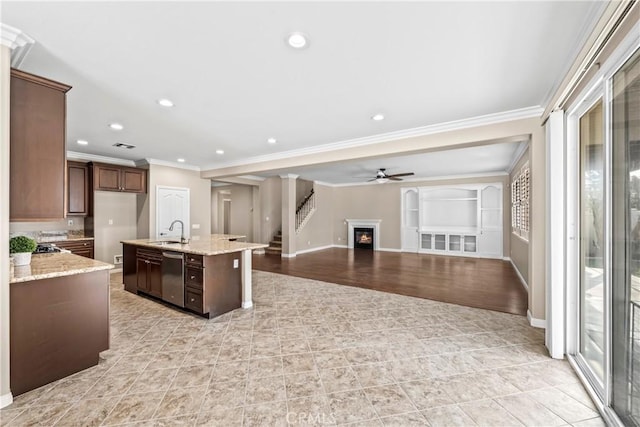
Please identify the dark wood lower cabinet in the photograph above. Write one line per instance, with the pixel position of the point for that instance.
(212, 285)
(58, 327)
(149, 272)
(78, 247)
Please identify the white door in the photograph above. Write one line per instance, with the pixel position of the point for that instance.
(490, 238)
(172, 204)
(409, 227)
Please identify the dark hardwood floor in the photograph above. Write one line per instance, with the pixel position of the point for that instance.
(474, 282)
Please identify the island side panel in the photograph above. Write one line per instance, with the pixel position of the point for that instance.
(223, 283)
(129, 268)
(58, 327)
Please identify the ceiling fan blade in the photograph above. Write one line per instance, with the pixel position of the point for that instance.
(394, 178)
(400, 174)
(373, 179)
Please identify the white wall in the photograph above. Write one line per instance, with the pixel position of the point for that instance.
(120, 209)
(270, 208)
(382, 201)
(317, 232)
(5, 84)
(199, 196)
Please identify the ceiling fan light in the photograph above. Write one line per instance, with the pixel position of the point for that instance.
(382, 180)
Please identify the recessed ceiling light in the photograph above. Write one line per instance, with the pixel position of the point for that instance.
(377, 117)
(165, 102)
(116, 126)
(272, 140)
(219, 151)
(297, 40)
(82, 142)
(181, 160)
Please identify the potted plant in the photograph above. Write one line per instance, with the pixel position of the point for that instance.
(21, 248)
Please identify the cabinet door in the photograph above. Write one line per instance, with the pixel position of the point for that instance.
(143, 275)
(154, 278)
(77, 189)
(37, 154)
(134, 180)
(106, 178)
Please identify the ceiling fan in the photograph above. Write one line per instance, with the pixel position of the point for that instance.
(382, 176)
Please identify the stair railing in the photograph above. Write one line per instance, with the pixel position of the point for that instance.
(304, 211)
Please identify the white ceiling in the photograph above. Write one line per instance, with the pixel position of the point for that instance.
(235, 83)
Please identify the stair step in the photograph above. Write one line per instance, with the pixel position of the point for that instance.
(274, 244)
(277, 238)
(271, 250)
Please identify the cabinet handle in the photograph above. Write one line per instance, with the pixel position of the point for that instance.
(193, 299)
(193, 277)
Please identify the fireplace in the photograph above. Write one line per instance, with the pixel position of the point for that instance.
(363, 238)
(372, 226)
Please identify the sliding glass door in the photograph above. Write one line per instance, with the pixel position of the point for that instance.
(592, 243)
(625, 292)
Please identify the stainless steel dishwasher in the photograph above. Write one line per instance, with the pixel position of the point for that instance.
(173, 278)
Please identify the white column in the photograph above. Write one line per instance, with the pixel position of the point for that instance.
(12, 41)
(247, 301)
(556, 199)
(289, 215)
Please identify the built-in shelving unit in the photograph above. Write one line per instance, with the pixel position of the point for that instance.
(461, 220)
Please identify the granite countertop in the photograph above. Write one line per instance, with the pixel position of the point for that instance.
(47, 266)
(227, 236)
(212, 246)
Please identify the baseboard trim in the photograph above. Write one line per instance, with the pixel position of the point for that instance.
(340, 246)
(524, 282)
(319, 248)
(248, 304)
(259, 251)
(506, 258)
(288, 255)
(6, 400)
(536, 323)
(389, 250)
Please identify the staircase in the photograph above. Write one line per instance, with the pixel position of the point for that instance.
(275, 245)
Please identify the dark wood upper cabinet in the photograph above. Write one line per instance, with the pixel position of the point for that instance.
(119, 178)
(38, 155)
(78, 193)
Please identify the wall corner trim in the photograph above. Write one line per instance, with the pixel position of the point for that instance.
(6, 400)
(536, 323)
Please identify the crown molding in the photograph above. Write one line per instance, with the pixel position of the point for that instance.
(158, 162)
(414, 180)
(75, 155)
(522, 148)
(489, 119)
(16, 40)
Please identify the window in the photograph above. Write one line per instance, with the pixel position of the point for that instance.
(520, 203)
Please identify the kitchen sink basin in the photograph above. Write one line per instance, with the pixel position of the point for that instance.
(165, 242)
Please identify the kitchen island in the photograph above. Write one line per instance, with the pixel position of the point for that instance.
(59, 318)
(209, 277)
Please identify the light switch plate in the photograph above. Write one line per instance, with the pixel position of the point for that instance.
(195, 226)
(235, 263)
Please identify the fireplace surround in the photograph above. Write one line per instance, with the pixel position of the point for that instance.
(373, 224)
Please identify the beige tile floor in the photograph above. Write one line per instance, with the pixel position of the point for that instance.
(314, 353)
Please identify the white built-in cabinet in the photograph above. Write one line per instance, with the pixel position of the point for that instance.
(464, 220)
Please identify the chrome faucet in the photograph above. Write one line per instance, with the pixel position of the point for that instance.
(183, 240)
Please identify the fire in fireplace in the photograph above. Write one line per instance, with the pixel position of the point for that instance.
(363, 238)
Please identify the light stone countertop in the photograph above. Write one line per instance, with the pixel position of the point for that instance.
(49, 265)
(213, 246)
